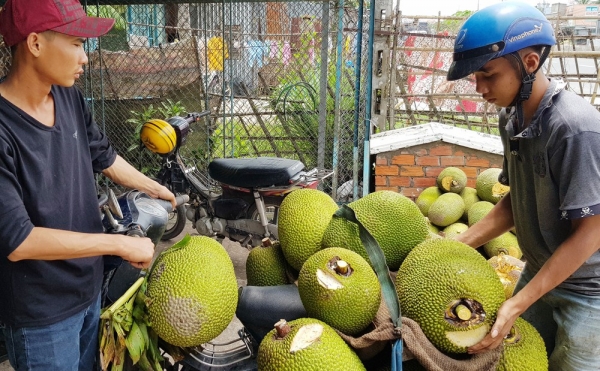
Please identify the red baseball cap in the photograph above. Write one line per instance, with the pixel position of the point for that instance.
(19, 18)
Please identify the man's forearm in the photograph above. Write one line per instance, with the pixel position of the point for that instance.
(496, 222)
(122, 173)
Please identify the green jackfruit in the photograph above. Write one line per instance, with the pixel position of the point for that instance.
(455, 229)
(447, 209)
(266, 266)
(506, 243)
(426, 199)
(305, 344)
(478, 210)
(193, 291)
(524, 349)
(338, 287)
(488, 187)
(469, 196)
(451, 179)
(394, 220)
(451, 291)
(304, 215)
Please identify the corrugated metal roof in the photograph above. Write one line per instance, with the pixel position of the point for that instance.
(432, 132)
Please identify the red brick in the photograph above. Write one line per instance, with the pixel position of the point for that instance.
(381, 160)
(381, 180)
(471, 172)
(403, 160)
(433, 171)
(428, 161)
(424, 182)
(452, 160)
(400, 181)
(459, 153)
(386, 170)
(477, 162)
(471, 183)
(443, 150)
(411, 192)
(421, 152)
(411, 171)
(393, 189)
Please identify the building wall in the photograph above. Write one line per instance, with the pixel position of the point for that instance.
(410, 170)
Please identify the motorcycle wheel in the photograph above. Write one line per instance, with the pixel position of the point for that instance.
(271, 210)
(175, 224)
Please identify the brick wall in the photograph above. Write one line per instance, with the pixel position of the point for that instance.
(410, 170)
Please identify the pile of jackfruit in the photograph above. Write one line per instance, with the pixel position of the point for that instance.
(451, 290)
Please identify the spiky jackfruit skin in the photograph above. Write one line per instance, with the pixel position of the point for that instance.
(524, 349)
(437, 276)
(266, 266)
(304, 215)
(328, 352)
(446, 210)
(347, 302)
(426, 198)
(506, 243)
(488, 187)
(393, 220)
(478, 210)
(193, 292)
(469, 196)
(451, 179)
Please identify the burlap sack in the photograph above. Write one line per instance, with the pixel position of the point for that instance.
(416, 345)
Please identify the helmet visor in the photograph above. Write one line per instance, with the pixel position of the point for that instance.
(467, 62)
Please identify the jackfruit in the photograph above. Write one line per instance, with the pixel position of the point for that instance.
(432, 228)
(305, 344)
(451, 291)
(426, 199)
(193, 292)
(393, 220)
(506, 243)
(508, 269)
(524, 349)
(338, 287)
(447, 209)
(266, 266)
(469, 196)
(454, 229)
(303, 217)
(452, 179)
(478, 210)
(488, 187)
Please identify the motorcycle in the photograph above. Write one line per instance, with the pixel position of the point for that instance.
(239, 199)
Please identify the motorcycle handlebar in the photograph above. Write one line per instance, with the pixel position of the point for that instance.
(179, 200)
(196, 116)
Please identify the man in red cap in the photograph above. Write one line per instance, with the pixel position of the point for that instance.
(51, 239)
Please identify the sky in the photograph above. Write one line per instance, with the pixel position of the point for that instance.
(448, 7)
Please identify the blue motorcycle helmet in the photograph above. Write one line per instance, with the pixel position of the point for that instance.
(499, 30)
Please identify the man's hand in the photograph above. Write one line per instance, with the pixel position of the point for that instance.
(138, 251)
(164, 194)
(506, 317)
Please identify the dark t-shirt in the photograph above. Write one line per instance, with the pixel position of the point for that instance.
(47, 180)
(554, 179)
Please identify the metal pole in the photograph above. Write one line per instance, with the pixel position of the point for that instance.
(357, 75)
(323, 85)
(338, 98)
(367, 141)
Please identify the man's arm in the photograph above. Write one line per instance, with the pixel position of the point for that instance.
(570, 255)
(56, 244)
(122, 173)
(496, 222)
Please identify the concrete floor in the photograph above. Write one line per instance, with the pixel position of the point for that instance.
(238, 256)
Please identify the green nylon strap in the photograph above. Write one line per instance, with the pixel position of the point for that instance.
(378, 262)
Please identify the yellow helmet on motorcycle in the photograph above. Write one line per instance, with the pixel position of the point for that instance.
(158, 136)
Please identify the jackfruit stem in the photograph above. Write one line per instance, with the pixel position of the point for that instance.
(463, 312)
(282, 328)
(266, 242)
(342, 267)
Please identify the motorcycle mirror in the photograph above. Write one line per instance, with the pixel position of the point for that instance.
(113, 205)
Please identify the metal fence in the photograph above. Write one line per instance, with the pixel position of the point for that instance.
(287, 79)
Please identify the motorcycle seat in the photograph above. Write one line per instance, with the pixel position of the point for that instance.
(255, 172)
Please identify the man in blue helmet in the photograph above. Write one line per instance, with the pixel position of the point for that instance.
(551, 141)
